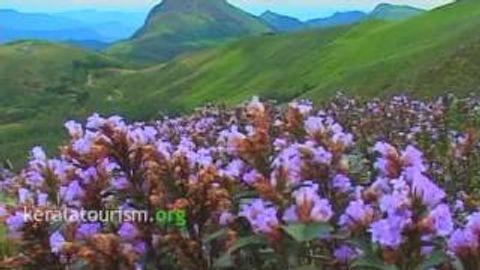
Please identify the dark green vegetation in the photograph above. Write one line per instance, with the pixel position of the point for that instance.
(43, 84)
(174, 26)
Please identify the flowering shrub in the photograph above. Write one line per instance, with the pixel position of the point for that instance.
(377, 185)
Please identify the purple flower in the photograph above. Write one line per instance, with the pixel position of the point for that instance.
(345, 253)
(38, 153)
(34, 178)
(74, 129)
(473, 223)
(290, 214)
(412, 157)
(86, 230)
(426, 190)
(321, 211)
(290, 161)
(95, 121)
(356, 214)
(463, 242)
(128, 231)
(314, 125)
(42, 199)
(72, 192)
(225, 218)
(320, 155)
(442, 220)
(84, 144)
(387, 232)
(261, 215)
(307, 201)
(384, 148)
(234, 168)
(56, 242)
(24, 195)
(15, 222)
(251, 177)
(341, 183)
(121, 183)
(140, 247)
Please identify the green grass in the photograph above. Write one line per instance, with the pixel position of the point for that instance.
(425, 55)
(42, 85)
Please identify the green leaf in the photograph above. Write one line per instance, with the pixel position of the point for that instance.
(371, 262)
(247, 241)
(436, 258)
(224, 261)
(308, 267)
(213, 236)
(457, 264)
(307, 232)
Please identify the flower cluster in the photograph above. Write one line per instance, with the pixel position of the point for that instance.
(385, 183)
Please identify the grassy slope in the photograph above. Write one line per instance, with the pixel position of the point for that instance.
(368, 59)
(426, 55)
(41, 84)
(178, 26)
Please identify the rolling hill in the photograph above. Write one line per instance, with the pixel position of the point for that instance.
(337, 19)
(41, 85)
(371, 58)
(394, 12)
(177, 26)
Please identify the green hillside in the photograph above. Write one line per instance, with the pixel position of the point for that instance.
(177, 26)
(41, 84)
(375, 57)
(394, 12)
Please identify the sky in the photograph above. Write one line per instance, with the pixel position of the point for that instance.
(303, 9)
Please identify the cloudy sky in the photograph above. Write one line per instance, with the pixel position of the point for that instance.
(303, 9)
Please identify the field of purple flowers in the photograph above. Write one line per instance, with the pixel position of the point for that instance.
(356, 185)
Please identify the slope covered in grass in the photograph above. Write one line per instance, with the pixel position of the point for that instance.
(374, 57)
(41, 84)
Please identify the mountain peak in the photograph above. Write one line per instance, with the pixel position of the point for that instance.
(187, 4)
(279, 22)
(176, 26)
(386, 11)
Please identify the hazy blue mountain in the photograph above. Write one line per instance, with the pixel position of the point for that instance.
(338, 19)
(83, 25)
(394, 12)
(11, 19)
(94, 45)
(113, 25)
(281, 23)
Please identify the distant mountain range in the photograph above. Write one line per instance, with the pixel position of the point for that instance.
(171, 28)
(281, 23)
(43, 84)
(83, 25)
(389, 12)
